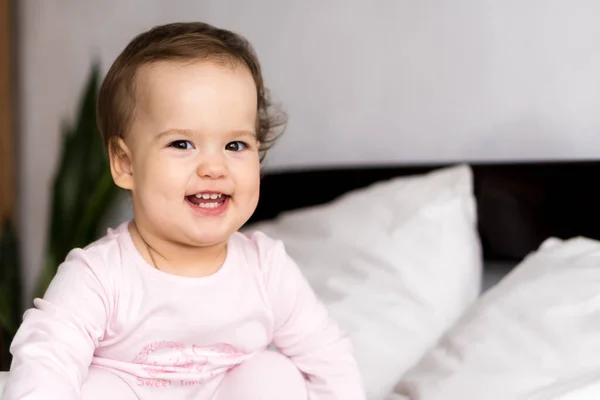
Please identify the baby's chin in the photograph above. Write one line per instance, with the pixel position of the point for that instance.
(205, 241)
(191, 229)
(208, 235)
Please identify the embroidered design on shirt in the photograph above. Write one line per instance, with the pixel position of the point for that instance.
(166, 362)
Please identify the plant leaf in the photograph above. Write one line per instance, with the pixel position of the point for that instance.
(83, 189)
(82, 163)
(103, 196)
(10, 282)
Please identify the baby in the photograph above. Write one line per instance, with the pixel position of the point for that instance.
(176, 303)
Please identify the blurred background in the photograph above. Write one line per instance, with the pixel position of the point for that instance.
(364, 82)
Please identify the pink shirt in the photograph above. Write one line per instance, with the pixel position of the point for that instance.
(174, 337)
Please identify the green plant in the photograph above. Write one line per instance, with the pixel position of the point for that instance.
(82, 193)
(83, 188)
(10, 290)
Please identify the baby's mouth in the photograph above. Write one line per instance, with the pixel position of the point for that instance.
(208, 200)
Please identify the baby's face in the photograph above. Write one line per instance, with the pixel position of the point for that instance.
(195, 160)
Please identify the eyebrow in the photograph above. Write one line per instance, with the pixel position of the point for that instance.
(191, 132)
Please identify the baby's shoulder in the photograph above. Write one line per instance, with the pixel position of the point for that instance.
(106, 252)
(254, 238)
(258, 247)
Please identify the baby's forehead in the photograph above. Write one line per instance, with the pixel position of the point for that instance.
(178, 78)
(212, 105)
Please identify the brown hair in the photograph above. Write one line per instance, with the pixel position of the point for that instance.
(185, 41)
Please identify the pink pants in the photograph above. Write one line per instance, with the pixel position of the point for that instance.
(266, 376)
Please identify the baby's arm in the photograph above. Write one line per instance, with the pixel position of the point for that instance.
(308, 336)
(54, 345)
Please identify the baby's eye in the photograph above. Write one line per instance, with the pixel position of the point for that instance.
(236, 146)
(182, 144)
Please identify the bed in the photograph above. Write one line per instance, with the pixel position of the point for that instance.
(467, 230)
(518, 204)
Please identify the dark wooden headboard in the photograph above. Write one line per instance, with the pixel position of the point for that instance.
(518, 204)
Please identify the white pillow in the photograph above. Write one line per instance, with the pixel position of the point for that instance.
(535, 335)
(396, 264)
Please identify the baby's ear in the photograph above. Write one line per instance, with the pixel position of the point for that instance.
(121, 164)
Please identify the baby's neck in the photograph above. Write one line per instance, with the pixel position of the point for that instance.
(178, 259)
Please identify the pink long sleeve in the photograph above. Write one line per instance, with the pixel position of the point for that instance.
(54, 346)
(167, 336)
(306, 334)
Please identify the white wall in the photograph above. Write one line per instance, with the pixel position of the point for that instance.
(379, 81)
